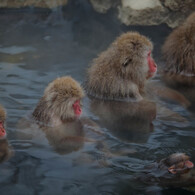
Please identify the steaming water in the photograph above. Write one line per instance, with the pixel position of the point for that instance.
(35, 48)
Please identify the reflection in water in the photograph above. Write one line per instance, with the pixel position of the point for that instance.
(129, 121)
(50, 49)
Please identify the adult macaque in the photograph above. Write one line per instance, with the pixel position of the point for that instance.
(122, 71)
(179, 55)
(174, 171)
(5, 149)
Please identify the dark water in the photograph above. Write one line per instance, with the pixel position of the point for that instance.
(36, 46)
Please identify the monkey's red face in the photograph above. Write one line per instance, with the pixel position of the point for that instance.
(77, 108)
(152, 66)
(2, 131)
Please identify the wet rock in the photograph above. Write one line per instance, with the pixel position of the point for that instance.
(139, 12)
(148, 12)
(38, 3)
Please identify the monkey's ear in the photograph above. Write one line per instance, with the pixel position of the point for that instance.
(126, 62)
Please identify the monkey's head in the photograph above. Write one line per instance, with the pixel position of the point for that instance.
(63, 97)
(135, 60)
(178, 163)
(2, 121)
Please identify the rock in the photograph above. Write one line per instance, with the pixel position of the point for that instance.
(35, 3)
(139, 12)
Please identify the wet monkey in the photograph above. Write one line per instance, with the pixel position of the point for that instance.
(174, 171)
(122, 71)
(60, 102)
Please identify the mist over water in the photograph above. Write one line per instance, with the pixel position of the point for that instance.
(37, 46)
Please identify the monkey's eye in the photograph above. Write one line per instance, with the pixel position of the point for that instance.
(127, 61)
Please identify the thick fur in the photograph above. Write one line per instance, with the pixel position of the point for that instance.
(55, 107)
(179, 53)
(120, 71)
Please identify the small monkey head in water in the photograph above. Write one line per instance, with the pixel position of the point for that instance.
(60, 102)
(121, 71)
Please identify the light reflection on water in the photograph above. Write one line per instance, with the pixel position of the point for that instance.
(36, 50)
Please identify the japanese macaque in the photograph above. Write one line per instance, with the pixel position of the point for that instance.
(58, 115)
(5, 149)
(60, 102)
(122, 71)
(179, 54)
(174, 171)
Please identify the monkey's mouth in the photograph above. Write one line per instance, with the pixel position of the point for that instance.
(181, 168)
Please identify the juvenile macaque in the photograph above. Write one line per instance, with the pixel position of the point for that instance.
(174, 171)
(60, 102)
(122, 71)
(179, 54)
(58, 114)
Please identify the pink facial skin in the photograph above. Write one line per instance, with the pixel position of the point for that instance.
(77, 108)
(152, 66)
(2, 131)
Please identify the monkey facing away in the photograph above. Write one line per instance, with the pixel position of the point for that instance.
(179, 54)
(122, 71)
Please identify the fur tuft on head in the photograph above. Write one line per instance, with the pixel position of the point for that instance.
(120, 71)
(55, 106)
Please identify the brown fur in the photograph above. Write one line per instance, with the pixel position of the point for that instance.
(118, 72)
(56, 103)
(179, 54)
(2, 114)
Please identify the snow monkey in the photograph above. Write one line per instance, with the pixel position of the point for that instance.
(58, 114)
(120, 72)
(60, 102)
(174, 171)
(179, 54)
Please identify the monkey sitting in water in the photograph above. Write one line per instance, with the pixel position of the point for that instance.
(121, 72)
(179, 55)
(174, 171)
(5, 149)
(58, 114)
